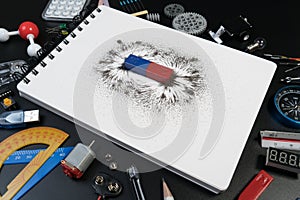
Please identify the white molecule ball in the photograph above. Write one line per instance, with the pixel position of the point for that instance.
(32, 49)
(4, 36)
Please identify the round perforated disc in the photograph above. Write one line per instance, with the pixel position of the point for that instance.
(191, 23)
(173, 10)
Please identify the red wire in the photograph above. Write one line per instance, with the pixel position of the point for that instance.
(295, 59)
(99, 198)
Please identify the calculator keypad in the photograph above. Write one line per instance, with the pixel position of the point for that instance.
(62, 10)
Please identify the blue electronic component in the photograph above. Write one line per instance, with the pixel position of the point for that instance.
(46, 168)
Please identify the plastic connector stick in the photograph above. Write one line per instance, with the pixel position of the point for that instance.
(18, 118)
(148, 69)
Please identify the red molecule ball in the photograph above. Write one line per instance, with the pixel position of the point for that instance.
(27, 28)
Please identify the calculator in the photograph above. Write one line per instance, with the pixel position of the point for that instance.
(63, 10)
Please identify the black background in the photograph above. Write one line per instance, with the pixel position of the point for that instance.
(277, 22)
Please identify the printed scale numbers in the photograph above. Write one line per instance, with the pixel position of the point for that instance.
(287, 103)
(63, 10)
(25, 156)
(39, 135)
(283, 159)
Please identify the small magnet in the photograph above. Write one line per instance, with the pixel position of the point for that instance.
(148, 69)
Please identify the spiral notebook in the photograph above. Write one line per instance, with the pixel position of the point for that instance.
(196, 124)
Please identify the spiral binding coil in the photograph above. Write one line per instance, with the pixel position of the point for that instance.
(154, 17)
(52, 44)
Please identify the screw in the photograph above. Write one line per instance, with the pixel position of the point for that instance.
(99, 180)
(290, 79)
(113, 187)
(259, 43)
(113, 165)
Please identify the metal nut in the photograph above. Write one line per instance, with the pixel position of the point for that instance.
(113, 165)
(108, 157)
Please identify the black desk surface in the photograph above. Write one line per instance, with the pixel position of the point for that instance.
(275, 21)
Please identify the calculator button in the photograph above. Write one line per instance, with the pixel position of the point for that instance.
(55, 1)
(77, 8)
(57, 12)
(79, 3)
(69, 7)
(71, 2)
(52, 6)
(73, 13)
(63, 2)
(49, 12)
(66, 13)
(60, 7)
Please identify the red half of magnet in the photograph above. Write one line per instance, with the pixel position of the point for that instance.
(159, 73)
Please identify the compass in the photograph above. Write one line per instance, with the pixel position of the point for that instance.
(287, 103)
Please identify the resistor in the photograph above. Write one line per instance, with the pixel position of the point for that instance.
(155, 17)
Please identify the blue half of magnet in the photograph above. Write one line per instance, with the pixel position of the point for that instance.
(136, 64)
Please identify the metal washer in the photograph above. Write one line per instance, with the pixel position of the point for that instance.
(189, 22)
(174, 9)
